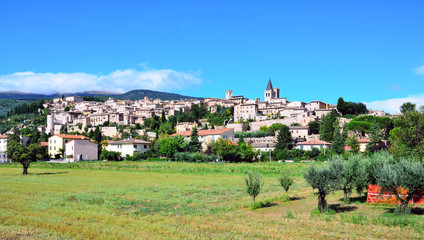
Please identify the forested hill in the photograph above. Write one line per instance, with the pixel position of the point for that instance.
(141, 93)
(131, 95)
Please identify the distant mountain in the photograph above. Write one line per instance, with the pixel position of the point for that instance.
(131, 95)
(141, 93)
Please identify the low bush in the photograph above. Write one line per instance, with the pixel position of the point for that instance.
(110, 156)
(193, 157)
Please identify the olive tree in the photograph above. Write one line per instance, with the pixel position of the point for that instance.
(406, 175)
(254, 184)
(285, 181)
(353, 175)
(325, 179)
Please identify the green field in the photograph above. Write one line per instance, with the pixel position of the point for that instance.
(155, 200)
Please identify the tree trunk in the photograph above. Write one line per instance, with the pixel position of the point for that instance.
(404, 203)
(321, 201)
(345, 200)
(253, 200)
(25, 166)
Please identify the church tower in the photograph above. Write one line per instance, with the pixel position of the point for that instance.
(269, 91)
(228, 94)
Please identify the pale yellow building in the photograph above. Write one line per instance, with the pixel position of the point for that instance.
(59, 141)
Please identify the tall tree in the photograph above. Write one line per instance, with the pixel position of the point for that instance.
(338, 142)
(23, 154)
(326, 129)
(314, 127)
(194, 144)
(407, 138)
(341, 106)
(407, 107)
(163, 118)
(284, 139)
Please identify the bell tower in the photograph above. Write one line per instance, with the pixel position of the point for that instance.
(269, 91)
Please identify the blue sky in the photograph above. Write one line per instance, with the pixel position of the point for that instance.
(368, 51)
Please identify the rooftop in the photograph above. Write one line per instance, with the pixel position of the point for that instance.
(72, 136)
(204, 132)
(314, 142)
(129, 141)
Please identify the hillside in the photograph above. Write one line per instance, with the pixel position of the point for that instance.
(131, 95)
(141, 93)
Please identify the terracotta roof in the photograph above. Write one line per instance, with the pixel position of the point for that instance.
(72, 136)
(367, 140)
(204, 132)
(4, 136)
(314, 142)
(44, 144)
(129, 141)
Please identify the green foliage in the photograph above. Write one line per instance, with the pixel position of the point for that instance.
(353, 143)
(286, 181)
(407, 107)
(364, 124)
(23, 154)
(194, 144)
(327, 126)
(226, 150)
(193, 157)
(314, 127)
(257, 134)
(404, 174)
(351, 107)
(353, 175)
(168, 146)
(338, 142)
(325, 180)
(110, 156)
(254, 184)
(407, 138)
(284, 139)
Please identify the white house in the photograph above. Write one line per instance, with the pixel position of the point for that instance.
(207, 137)
(128, 146)
(315, 143)
(81, 149)
(3, 148)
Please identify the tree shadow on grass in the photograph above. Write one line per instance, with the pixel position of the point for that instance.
(338, 208)
(296, 198)
(50, 173)
(358, 199)
(419, 211)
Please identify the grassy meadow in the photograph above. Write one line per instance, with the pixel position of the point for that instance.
(155, 200)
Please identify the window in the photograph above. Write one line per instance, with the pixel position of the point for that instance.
(145, 146)
(54, 141)
(50, 141)
(135, 146)
(50, 147)
(54, 148)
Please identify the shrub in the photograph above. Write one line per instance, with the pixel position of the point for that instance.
(285, 181)
(110, 156)
(194, 157)
(254, 184)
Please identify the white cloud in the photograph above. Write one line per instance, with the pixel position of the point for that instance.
(419, 70)
(117, 81)
(393, 105)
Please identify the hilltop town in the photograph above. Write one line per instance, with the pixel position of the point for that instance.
(132, 123)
